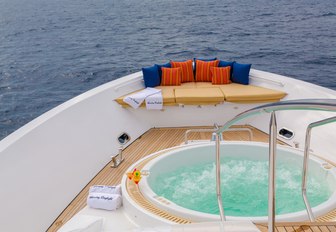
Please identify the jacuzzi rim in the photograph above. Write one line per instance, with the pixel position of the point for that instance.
(193, 215)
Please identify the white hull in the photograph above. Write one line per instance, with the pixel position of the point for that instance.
(46, 163)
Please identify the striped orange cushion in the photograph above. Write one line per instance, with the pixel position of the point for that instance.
(186, 68)
(171, 76)
(220, 76)
(203, 69)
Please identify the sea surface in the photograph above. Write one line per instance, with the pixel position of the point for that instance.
(51, 51)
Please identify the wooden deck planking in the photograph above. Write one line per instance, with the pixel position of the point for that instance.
(301, 226)
(153, 140)
(331, 216)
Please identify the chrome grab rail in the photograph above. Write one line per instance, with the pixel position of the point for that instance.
(305, 104)
(310, 104)
(117, 159)
(213, 130)
(271, 171)
(219, 193)
(305, 162)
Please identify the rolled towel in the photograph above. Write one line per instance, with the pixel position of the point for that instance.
(104, 201)
(105, 189)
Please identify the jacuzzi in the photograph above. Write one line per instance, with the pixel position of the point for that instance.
(202, 156)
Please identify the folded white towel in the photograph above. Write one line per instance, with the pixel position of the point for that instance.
(154, 101)
(105, 189)
(136, 99)
(83, 223)
(104, 201)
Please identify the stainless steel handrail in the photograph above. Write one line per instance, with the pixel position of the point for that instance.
(213, 130)
(218, 179)
(196, 130)
(271, 171)
(305, 104)
(305, 162)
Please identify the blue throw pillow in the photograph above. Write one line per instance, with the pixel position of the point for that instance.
(223, 63)
(241, 73)
(208, 59)
(151, 76)
(159, 66)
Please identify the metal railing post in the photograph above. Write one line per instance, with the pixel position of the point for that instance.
(305, 163)
(271, 175)
(304, 175)
(218, 183)
(250, 133)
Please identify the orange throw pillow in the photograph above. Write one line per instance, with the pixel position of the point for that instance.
(221, 76)
(186, 68)
(171, 76)
(203, 69)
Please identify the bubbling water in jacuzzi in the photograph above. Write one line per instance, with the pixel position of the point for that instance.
(244, 185)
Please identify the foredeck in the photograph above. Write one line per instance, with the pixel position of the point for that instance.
(152, 141)
(301, 227)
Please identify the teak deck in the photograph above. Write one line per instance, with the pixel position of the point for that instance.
(301, 227)
(152, 141)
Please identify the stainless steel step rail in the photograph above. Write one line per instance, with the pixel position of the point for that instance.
(305, 162)
(250, 133)
(304, 104)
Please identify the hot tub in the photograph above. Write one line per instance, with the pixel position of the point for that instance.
(182, 182)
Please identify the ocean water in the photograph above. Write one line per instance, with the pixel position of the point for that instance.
(51, 51)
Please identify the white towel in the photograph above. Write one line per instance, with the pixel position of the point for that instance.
(104, 201)
(154, 101)
(136, 99)
(105, 189)
(83, 223)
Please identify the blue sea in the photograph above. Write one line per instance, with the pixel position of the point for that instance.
(51, 51)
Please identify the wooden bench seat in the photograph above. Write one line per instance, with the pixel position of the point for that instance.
(204, 93)
(250, 93)
(168, 94)
(199, 96)
(245, 93)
